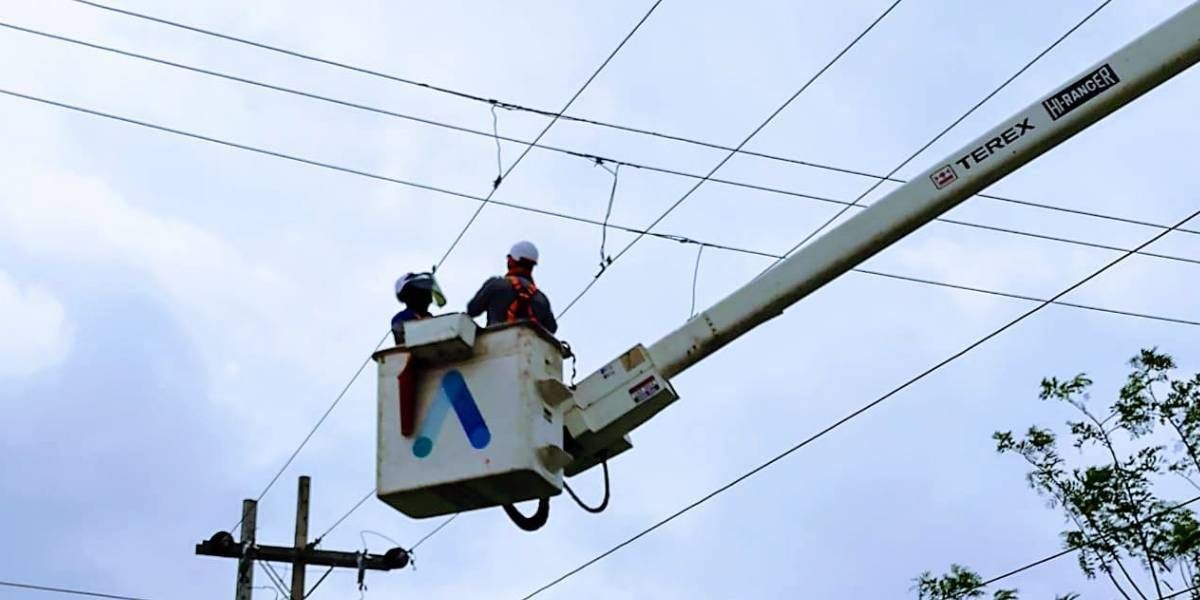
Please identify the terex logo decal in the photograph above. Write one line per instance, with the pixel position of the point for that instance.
(994, 145)
(452, 393)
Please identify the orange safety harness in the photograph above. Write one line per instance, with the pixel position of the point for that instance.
(522, 305)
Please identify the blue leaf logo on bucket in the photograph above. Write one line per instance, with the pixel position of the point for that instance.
(452, 393)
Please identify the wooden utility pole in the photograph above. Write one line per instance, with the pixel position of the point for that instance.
(245, 574)
(301, 538)
(300, 554)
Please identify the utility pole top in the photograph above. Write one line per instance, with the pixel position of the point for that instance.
(299, 555)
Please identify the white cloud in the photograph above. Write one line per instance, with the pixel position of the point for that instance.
(37, 333)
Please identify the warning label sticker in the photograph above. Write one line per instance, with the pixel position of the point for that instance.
(645, 390)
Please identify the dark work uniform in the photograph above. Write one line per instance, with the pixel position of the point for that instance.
(407, 314)
(497, 296)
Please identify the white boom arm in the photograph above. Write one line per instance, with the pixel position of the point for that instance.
(631, 389)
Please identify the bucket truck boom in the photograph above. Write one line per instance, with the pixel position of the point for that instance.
(522, 430)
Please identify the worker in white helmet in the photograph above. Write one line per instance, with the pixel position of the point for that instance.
(416, 291)
(514, 297)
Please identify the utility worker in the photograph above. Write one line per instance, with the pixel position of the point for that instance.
(514, 297)
(416, 291)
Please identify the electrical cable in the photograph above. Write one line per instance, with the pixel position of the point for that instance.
(268, 588)
(545, 212)
(733, 153)
(345, 516)
(358, 504)
(612, 195)
(435, 531)
(1000, 294)
(1075, 548)
(594, 280)
(861, 410)
(337, 400)
(597, 159)
(362, 535)
(319, 581)
(695, 280)
(600, 160)
(949, 127)
(60, 590)
(499, 150)
(276, 581)
(517, 107)
(545, 130)
(603, 503)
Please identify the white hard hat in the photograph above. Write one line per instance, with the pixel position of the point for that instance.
(524, 251)
(421, 281)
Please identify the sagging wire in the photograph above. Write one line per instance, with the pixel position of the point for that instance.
(579, 219)
(605, 258)
(514, 107)
(362, 536)
(607, 493)
(267, 587)
(499, 159)
(695, 279)
(274, 577)
(475, 215)
(754, 133)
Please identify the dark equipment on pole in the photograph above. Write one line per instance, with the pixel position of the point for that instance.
(302, 554)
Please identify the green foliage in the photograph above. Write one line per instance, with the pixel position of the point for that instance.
(959, 583)
(1124, 530)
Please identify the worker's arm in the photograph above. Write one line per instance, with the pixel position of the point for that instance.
(546, 318)
(479, 304)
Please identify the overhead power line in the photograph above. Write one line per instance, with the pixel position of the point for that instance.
(861, 410)
(546, 129)
(1071, 549)
(516, 107)
(541, 211)
(729, 156)
(311, 432)
(347, 514)
(68, 591)
(597, 279)
(951, 126)
(614, 161)
(564, 116)
(362, 501)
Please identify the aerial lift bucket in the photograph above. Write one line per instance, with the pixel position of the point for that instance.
(469, 417)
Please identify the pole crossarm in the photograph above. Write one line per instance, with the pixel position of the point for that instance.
(223, 545)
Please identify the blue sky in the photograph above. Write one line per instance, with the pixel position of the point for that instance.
(176, 315)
